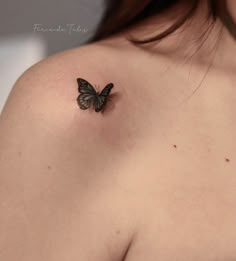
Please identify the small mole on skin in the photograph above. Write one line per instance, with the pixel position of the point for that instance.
(174, 146)
(49, 167)
(227, 160)
(117, 231)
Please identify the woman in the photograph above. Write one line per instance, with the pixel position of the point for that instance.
(152, 177)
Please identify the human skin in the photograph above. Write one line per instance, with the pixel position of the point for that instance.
(152, 178)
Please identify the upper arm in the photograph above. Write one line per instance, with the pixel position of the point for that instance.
(37, 123)
(57, 170)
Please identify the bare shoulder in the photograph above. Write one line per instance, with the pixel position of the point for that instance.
(59, 163)
(42, 113)
(47, 93)
(44, 99)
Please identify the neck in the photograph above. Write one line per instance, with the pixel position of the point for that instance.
(228, 16)
(227, 45)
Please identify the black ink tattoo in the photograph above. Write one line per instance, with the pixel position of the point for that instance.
(89, 96)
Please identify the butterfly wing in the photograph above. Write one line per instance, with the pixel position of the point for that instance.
(99, 103)
(106, 91)
(87, 94)
(101, 99)
(85, 100)
(85, 87)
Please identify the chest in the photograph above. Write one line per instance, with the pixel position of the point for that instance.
(183, 184)
(192, 219)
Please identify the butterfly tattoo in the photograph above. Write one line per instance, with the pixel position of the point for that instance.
(89, 96)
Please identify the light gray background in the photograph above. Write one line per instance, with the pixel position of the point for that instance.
(21, 47)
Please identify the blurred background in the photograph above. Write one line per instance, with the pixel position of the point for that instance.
(32, 30)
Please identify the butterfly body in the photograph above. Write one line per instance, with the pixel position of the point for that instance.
(90, 97)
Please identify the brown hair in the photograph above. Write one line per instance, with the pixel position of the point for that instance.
(121, 14)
